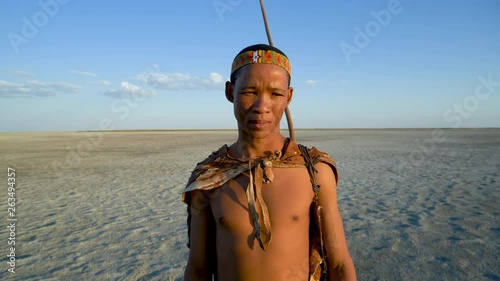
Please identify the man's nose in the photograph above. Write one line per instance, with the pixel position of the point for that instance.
(262, 104)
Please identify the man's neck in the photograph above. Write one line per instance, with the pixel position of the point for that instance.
(246, 148)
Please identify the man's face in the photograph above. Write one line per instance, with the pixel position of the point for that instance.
(260, 95)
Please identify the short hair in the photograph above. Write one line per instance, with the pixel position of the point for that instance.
(256, 47)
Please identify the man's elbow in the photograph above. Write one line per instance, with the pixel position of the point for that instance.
(196, 273)
(342, 269)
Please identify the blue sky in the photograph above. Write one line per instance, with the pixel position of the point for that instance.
(69, 65)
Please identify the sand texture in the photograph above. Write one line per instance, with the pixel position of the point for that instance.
(416, 204)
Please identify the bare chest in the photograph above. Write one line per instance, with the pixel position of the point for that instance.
(288, 199)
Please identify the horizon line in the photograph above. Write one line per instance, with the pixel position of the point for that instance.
(285, 129)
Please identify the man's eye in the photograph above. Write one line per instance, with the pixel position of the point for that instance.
(277, 94)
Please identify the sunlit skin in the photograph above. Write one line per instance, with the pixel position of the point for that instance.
(260, 95)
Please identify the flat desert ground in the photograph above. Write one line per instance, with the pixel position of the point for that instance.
(417, 204)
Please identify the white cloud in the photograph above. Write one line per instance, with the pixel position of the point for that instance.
(35, 88)
(312, 82)
(129, 90)
(343, 81)
(103, 82)
(181, 81)
(216, 78)
(84, 73)
(21, 73)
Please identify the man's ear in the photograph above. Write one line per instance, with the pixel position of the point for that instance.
(290, 95)
(229, 92)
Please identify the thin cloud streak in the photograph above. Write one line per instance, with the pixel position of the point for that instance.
(21, 73)
(33, 88)
(181, 81)
(103, 82)
(83, 73)
(127, 90)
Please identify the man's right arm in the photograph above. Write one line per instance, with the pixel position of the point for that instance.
(198, 266)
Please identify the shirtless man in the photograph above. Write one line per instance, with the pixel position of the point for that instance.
(249, 204)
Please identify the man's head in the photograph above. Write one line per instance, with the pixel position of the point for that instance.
(260, 53)
(260, 91)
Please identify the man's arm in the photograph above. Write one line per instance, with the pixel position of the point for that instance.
(198, 266)
(340, 264)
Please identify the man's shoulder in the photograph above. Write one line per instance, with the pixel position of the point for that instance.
(213, 157)
(315, 156)
(221, 152)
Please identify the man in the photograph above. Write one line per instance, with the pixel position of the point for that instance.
(264, 208)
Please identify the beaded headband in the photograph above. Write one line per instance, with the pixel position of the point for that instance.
(261, 56)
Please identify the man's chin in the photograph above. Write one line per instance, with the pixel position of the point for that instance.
(260, 133)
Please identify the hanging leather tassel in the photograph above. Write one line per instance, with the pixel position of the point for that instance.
(264, 219)
(268, 171)
(251, 205)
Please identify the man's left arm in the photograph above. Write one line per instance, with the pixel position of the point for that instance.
(340, 264)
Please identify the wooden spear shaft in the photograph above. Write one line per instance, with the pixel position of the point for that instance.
(270, 39)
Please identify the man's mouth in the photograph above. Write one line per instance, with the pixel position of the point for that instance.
(259, 124)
